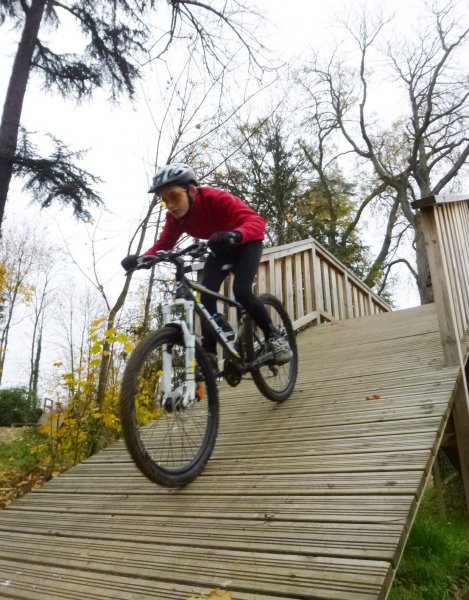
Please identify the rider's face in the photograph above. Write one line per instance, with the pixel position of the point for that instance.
(177, 200)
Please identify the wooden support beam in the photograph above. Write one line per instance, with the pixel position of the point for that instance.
(450, 338)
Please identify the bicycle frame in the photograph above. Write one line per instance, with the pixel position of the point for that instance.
(181, 313)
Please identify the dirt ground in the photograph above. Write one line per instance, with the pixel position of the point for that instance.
(8, 434)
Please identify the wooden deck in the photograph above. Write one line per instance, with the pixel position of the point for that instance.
(311, 499)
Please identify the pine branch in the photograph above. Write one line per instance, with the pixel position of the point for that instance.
(56, 177)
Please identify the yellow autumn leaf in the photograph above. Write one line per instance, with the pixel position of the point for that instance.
(129, 347)
(97, 322)
(220, 594)
(216, 594)
(109, 420)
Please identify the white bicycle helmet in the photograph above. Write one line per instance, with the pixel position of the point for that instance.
(175, 174)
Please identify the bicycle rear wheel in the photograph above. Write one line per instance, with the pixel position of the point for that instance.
(275, 382)
(170, 446)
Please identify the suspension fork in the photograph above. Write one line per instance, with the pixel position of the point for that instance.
(172, 317)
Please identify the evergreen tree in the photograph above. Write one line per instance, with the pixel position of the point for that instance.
(271, 173)
(266, 173)
(118, 37)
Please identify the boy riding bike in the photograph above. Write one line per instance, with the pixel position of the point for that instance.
(235, 234)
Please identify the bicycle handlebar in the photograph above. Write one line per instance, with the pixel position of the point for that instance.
(196, 250)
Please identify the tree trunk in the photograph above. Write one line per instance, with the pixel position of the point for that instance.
(106, 351)
(424, 282)
(33, 354)
(37, 361)
(13, 106)
(380, 260)
(151, 281)
(6, 331)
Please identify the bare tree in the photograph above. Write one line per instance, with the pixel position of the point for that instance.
(345, 199)
(19, 248)
(42, 297)
(425, 150)
(184, 131)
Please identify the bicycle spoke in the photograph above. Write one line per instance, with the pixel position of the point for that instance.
(169, 443)
(275, 381)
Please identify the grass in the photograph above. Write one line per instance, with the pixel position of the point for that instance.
(435, 563)
(20, 467)
(17, 453)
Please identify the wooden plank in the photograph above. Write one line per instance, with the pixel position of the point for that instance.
(438, 199)
(279, 291)
(448, 240)
(299, 288)
(462, 226)
(318, 283)
(58, 583)
(289, 287)
(440, 279)
(294, 574)
(348, 509)
(374, 540)
(326, 282)
(309, 499)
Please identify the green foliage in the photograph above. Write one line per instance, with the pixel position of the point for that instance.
(56, 177)
(272, 175)
(115, 34)
(17, 405)
(267, 175)
(23, 466)
(327, 212)
(18, 454)
(435, 563)
(78, 426)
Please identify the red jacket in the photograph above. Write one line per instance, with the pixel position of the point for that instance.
(212, 210)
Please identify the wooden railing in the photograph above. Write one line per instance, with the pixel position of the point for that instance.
(445, 223)
(313, 285)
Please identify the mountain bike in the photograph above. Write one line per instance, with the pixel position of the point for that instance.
(169, 398)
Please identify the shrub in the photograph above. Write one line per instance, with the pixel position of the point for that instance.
(17, 405)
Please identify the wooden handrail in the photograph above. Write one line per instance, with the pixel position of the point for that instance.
(439, 199)
(313, 285)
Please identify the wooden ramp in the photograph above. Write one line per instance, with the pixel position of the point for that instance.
(305, 500)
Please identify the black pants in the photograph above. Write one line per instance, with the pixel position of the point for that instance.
(245, 259)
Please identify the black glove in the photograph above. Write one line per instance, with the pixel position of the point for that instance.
(133, 261)
(222, 242)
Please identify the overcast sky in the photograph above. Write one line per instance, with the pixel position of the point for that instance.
(121, 139)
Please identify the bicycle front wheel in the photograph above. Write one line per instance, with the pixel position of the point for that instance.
(169, 445)
(275, 382)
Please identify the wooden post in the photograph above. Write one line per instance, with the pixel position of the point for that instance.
(449, 337)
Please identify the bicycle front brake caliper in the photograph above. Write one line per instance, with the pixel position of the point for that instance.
(180, 313)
